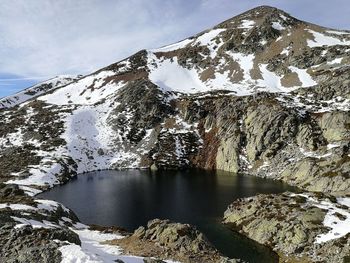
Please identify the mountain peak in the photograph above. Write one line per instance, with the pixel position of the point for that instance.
(264, 9)
(261, 15)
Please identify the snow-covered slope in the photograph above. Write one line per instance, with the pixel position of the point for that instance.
(34, 91)
(100, 123)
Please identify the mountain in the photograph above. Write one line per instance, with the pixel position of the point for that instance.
(262, 93)
(34, 91)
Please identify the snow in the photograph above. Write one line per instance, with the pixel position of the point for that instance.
(314, 154)
(33, 223)
(314, 105)
(335, 61)
(337, 227)
(30, 190)
(42, 204)
(87, 132)
(271, 81)
(283, 17)
(17, 207)
(41, 176)
(27, 94)
(285, 51)
(247, 24)
(332, 145)
(304, 77)
(170, 76)
(207, 37)
(16, 139)
(337, 32)
(344, 201)
(277, 26)
(324, 40)
(86, 91)
(207, 40)
(246, 62)
(174, 46)
(92, 249)
(49, 205)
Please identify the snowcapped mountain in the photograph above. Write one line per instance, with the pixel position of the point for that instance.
(251, 94)
(262, 93)
(36, 90)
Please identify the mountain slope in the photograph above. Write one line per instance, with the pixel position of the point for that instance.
(262, 93)
(236, 97)
(36, 90)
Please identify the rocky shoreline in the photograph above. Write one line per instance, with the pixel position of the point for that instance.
(308, 227)
(37, 230)
(292, 225)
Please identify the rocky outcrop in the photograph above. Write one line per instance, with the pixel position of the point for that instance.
(31, 230)
(293, 225)
(181, 242)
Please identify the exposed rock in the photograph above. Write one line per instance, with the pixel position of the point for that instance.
(288, 223)
(164, 239)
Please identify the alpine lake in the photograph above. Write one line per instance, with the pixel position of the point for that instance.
(130, 198)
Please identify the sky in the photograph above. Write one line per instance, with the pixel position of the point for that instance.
(40, 39)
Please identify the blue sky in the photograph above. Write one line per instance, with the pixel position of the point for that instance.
(40, 39)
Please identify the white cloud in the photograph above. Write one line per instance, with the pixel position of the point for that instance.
(50, 37)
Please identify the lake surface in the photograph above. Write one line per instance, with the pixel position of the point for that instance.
(133, 197)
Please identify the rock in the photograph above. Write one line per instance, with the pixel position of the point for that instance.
(140, 232)
(10, 191)
(288, 223)
(175, 236)
(335, 126)
(28, 245)
(164, 240)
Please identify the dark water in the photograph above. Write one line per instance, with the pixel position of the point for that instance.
(131, 198)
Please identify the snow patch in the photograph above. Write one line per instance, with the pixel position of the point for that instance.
(86, 91)
(278, 26)
(304, 77)
(324, 40)
(174, 46)
(337, 218)
(206, 38)
(33, 223)
(29, 93)
(247, 24)
(170, 76)
(17, 207)
(92, 249)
